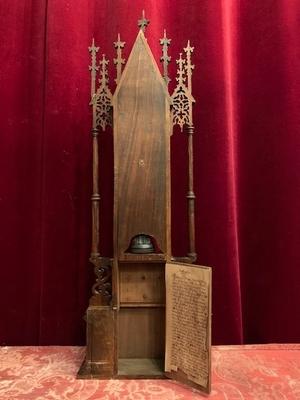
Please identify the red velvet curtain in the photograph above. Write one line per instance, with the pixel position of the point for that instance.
(247, 160)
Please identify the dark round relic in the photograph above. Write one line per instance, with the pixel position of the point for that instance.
(141, 244)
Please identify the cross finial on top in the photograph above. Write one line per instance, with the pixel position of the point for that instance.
(143, 22)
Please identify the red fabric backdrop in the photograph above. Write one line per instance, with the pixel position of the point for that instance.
(247, 160)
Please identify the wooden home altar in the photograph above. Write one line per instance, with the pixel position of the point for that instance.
(150, 313)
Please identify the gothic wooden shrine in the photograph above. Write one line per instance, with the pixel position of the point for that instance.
(150, 313)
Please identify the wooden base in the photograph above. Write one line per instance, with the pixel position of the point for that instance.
(94, 370)
(128, 368)
(99, 362)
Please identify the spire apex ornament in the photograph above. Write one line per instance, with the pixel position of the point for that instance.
(165, 59)
(143, 22)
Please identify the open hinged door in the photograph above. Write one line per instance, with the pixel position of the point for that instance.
(188, 325)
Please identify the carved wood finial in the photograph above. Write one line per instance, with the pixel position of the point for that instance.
(189, 67)
(181, 70)
(93, 68)
(119, 61)
(143, 22)
(165, 59)
(103, 80)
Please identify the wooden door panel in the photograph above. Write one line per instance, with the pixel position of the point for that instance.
(188, 324)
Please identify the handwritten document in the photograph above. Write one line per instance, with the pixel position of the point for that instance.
(188, 321)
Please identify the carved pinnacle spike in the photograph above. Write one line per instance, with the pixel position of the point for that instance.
(93, 49)
(103, 62)
(103, 72)
(93, 68)
(119, 61)
(119, 44)
(180, 71)
(143, 22)
(165, 59)
(189, 67)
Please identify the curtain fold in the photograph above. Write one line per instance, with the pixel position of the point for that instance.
(246, 84)
(22, 49)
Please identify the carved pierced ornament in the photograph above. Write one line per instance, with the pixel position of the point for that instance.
(101, 97)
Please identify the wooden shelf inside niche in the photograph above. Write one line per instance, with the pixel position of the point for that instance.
(142, 258)
(135, 305)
